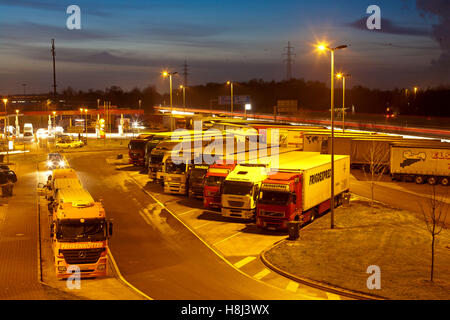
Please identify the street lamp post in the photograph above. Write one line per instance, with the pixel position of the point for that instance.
(17, 123)
(184, 96)
(343, 77)
(170, 74)
(85, 121)
(326, 48)
(232, 99)
(5, 101)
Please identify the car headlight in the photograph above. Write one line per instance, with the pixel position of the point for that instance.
(62, 163)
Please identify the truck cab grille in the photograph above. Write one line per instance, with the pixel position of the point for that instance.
(82, 256)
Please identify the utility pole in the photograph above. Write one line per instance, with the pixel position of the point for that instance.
(54, 71)
(185, 73)
(289, 61)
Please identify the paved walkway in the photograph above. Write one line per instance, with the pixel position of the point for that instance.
(19, 242)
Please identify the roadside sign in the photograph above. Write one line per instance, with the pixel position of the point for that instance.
(226, 100)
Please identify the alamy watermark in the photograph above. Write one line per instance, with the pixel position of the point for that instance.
(374, 21)
(374, 280)
(74, 280)
(73, 22)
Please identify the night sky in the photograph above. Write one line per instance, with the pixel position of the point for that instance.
(128, 43)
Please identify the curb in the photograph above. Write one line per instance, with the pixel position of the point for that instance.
(316, 284)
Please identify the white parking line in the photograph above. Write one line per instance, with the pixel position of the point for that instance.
(181, 214)
(261, 274)
(202, 225)
(243, 262)
(292, 286)
(233, 235)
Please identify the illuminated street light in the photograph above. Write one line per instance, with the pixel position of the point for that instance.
(231, 87)
(322, 48)
(170, 74)
(343, 77)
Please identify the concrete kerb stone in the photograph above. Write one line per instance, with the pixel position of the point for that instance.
(316, 284)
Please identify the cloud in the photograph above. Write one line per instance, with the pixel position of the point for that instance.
(30, 31)
(387, 26)
(49, 6)
(440, 30)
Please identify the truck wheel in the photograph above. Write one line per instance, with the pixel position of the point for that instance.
(419, 179)
(444, 181)
(432, 180)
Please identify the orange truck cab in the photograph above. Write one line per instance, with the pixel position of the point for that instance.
(213, 181)
(79, 234)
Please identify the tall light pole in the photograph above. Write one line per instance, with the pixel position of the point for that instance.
(85, 121)
(17, 123)
(232, 99)
(343, 77)
(5, 101)
(184, 96)
(322, 47)
(54, 121)
(170, 74)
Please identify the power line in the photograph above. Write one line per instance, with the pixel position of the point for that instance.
(289, 61)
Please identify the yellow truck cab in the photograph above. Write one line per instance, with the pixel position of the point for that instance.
(240, 190)
(79, 234)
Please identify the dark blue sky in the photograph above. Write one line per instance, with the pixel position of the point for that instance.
(128, 43)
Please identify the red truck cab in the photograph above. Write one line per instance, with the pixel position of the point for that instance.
(279, 201)
(213, 181)
(136, 150)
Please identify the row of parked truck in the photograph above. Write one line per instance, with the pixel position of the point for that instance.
(79, 229)
(272, 189)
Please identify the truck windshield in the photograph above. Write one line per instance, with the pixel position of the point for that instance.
(175, 168)
(237, 188)
(155, 159)
(198, 174)
(214, 180)
(275, 197)
(137, 144)
(74, 230)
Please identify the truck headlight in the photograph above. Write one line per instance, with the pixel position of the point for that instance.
(49, 163)
(101, 267)
(62, 163)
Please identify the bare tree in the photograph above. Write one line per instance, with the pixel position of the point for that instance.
(375, 163)
(434, 215)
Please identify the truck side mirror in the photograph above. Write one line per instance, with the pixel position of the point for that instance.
(294, 198)
(52, 226)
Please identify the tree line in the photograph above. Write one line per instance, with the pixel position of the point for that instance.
(311, 95)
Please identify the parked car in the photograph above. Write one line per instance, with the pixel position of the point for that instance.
(28, 137)
(66, 142)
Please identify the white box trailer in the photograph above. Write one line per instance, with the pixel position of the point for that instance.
(316, 172)
(420, 163)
